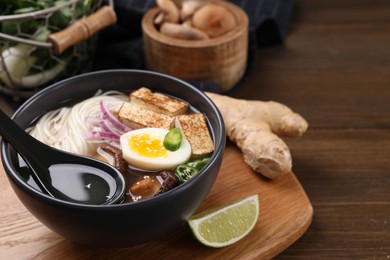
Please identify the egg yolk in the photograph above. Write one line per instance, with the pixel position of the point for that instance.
(145, 145)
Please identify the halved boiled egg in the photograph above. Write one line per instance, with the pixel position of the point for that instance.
(144, 148)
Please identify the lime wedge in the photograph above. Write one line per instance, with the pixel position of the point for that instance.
(226, 225)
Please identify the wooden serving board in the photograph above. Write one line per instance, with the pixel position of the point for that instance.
(285, 214)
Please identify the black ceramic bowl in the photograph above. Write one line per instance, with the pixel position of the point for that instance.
(122, 224)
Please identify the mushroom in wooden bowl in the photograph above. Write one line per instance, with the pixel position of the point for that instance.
(197, 40)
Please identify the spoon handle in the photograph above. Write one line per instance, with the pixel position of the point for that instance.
(28, 147)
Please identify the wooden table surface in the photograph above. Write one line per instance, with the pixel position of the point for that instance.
(334, 69)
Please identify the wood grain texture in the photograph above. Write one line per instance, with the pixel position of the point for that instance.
(348, 182)
(82, 29)
(334, 69)
(285, 214)
(334, 66)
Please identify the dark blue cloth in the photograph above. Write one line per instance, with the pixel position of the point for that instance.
(121, 46)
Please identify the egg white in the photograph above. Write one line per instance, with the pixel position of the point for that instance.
(172, 159)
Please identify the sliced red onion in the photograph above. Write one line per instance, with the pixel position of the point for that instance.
(101, 135)
(92, 121)
(97, 129)
(115, 144)
(97, 141)
(105, 142)
(109, 127)
(104, 126)
(107, 156)
(107, 114)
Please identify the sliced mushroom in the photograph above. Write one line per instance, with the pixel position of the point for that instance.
(159, 19)
(214, 19)
(170, 181)
(145, 188)
(184, 32)
(189, 7)
(178, 3)
(119, 163)
(170, 10)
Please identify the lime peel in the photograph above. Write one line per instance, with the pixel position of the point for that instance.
(226, 225)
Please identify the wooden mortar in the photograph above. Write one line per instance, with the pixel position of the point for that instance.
(222, 59)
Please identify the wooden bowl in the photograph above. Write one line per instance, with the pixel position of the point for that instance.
(221, 60)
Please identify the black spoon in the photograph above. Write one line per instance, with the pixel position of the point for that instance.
(64, 175)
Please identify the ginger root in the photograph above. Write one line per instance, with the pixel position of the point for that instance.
(256, 128)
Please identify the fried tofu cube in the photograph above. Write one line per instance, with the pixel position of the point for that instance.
(139, 117)
(195, 129)
(158, 102)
